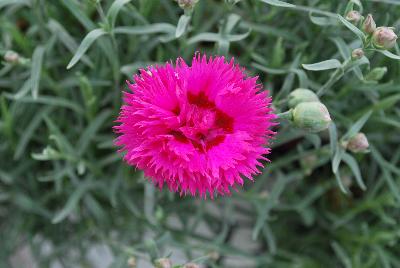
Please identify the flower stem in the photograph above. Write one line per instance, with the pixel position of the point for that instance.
(336, 75)
(288, 115)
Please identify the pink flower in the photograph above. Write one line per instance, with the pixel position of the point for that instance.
(198, 128)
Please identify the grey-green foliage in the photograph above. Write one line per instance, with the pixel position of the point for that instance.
(61, 179)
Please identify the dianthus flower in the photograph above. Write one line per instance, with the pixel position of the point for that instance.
(198, 128)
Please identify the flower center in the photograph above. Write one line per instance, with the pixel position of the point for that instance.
(204, 125)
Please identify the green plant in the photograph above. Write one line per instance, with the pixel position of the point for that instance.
(315, 205)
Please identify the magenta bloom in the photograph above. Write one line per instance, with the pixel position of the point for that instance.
(198, 128)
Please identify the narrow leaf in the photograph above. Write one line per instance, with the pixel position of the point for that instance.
(91, 130)
(337, 159)
(340, 183)
(182, 25)
(37, 60)
(352, 163)
(323, 65)
(4, 3)
(352, 28)
(389, 54)
(114, 10)
(71, 204)
(84, 46)
(322, 21)
(29, 131)
(146, 29)
(277, 3)
(205, 37)
(357, 126)
(66, 39)
(342, 255)
(333, 138)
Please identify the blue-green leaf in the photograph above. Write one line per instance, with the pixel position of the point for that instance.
(84, 46)
(37, 61)
(389, 54)
(278, 3)
(114, 10)
(357, 126)
(146, 29)
(352, 163)
(323, 65)
(352, 28)
(182, 25)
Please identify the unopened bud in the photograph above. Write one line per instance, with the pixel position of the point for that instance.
(369, 25)
(11, 57)
(357, 54)
(353, 16)
(311, 116)
(358, 143)
(346, 180)
(384, 38)
(376, 74)
(301, 95)
(191, 265)
(187, 4)
(308, 163)
(163, 263)
(214, 255)
(132, 262)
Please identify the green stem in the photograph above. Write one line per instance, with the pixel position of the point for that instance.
(288, 115)
(336, 75)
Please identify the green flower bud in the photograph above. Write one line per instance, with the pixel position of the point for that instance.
(187, 4)
(163, 263)
(311, 116)
(358, 143)
(376, 74)
(132, 262)
(384, 38)
(11, 57)
(301, 95)
(353, 16)
(308, 163)
(369, 25)
(214, 255)
(357, 54)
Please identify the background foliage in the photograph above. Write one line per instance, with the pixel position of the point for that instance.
(63, 184)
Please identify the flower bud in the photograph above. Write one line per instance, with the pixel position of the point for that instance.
(311, 116)
(358, 143)
(353, 16)
(384, 38)
(11, 57)
(308, 163)
(191, 265)
(214, 255)
(301, 95)
(369, 25)
(357, 54)
(187, 4)
(163, 263)
(376, 74)
(132, 262)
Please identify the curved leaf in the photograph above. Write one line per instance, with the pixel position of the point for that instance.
(352, 28)
(84, 46)
(277, 3)
(182, 25)
(389, 54)
(352, 163)
(114, 10)
(323, 65)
